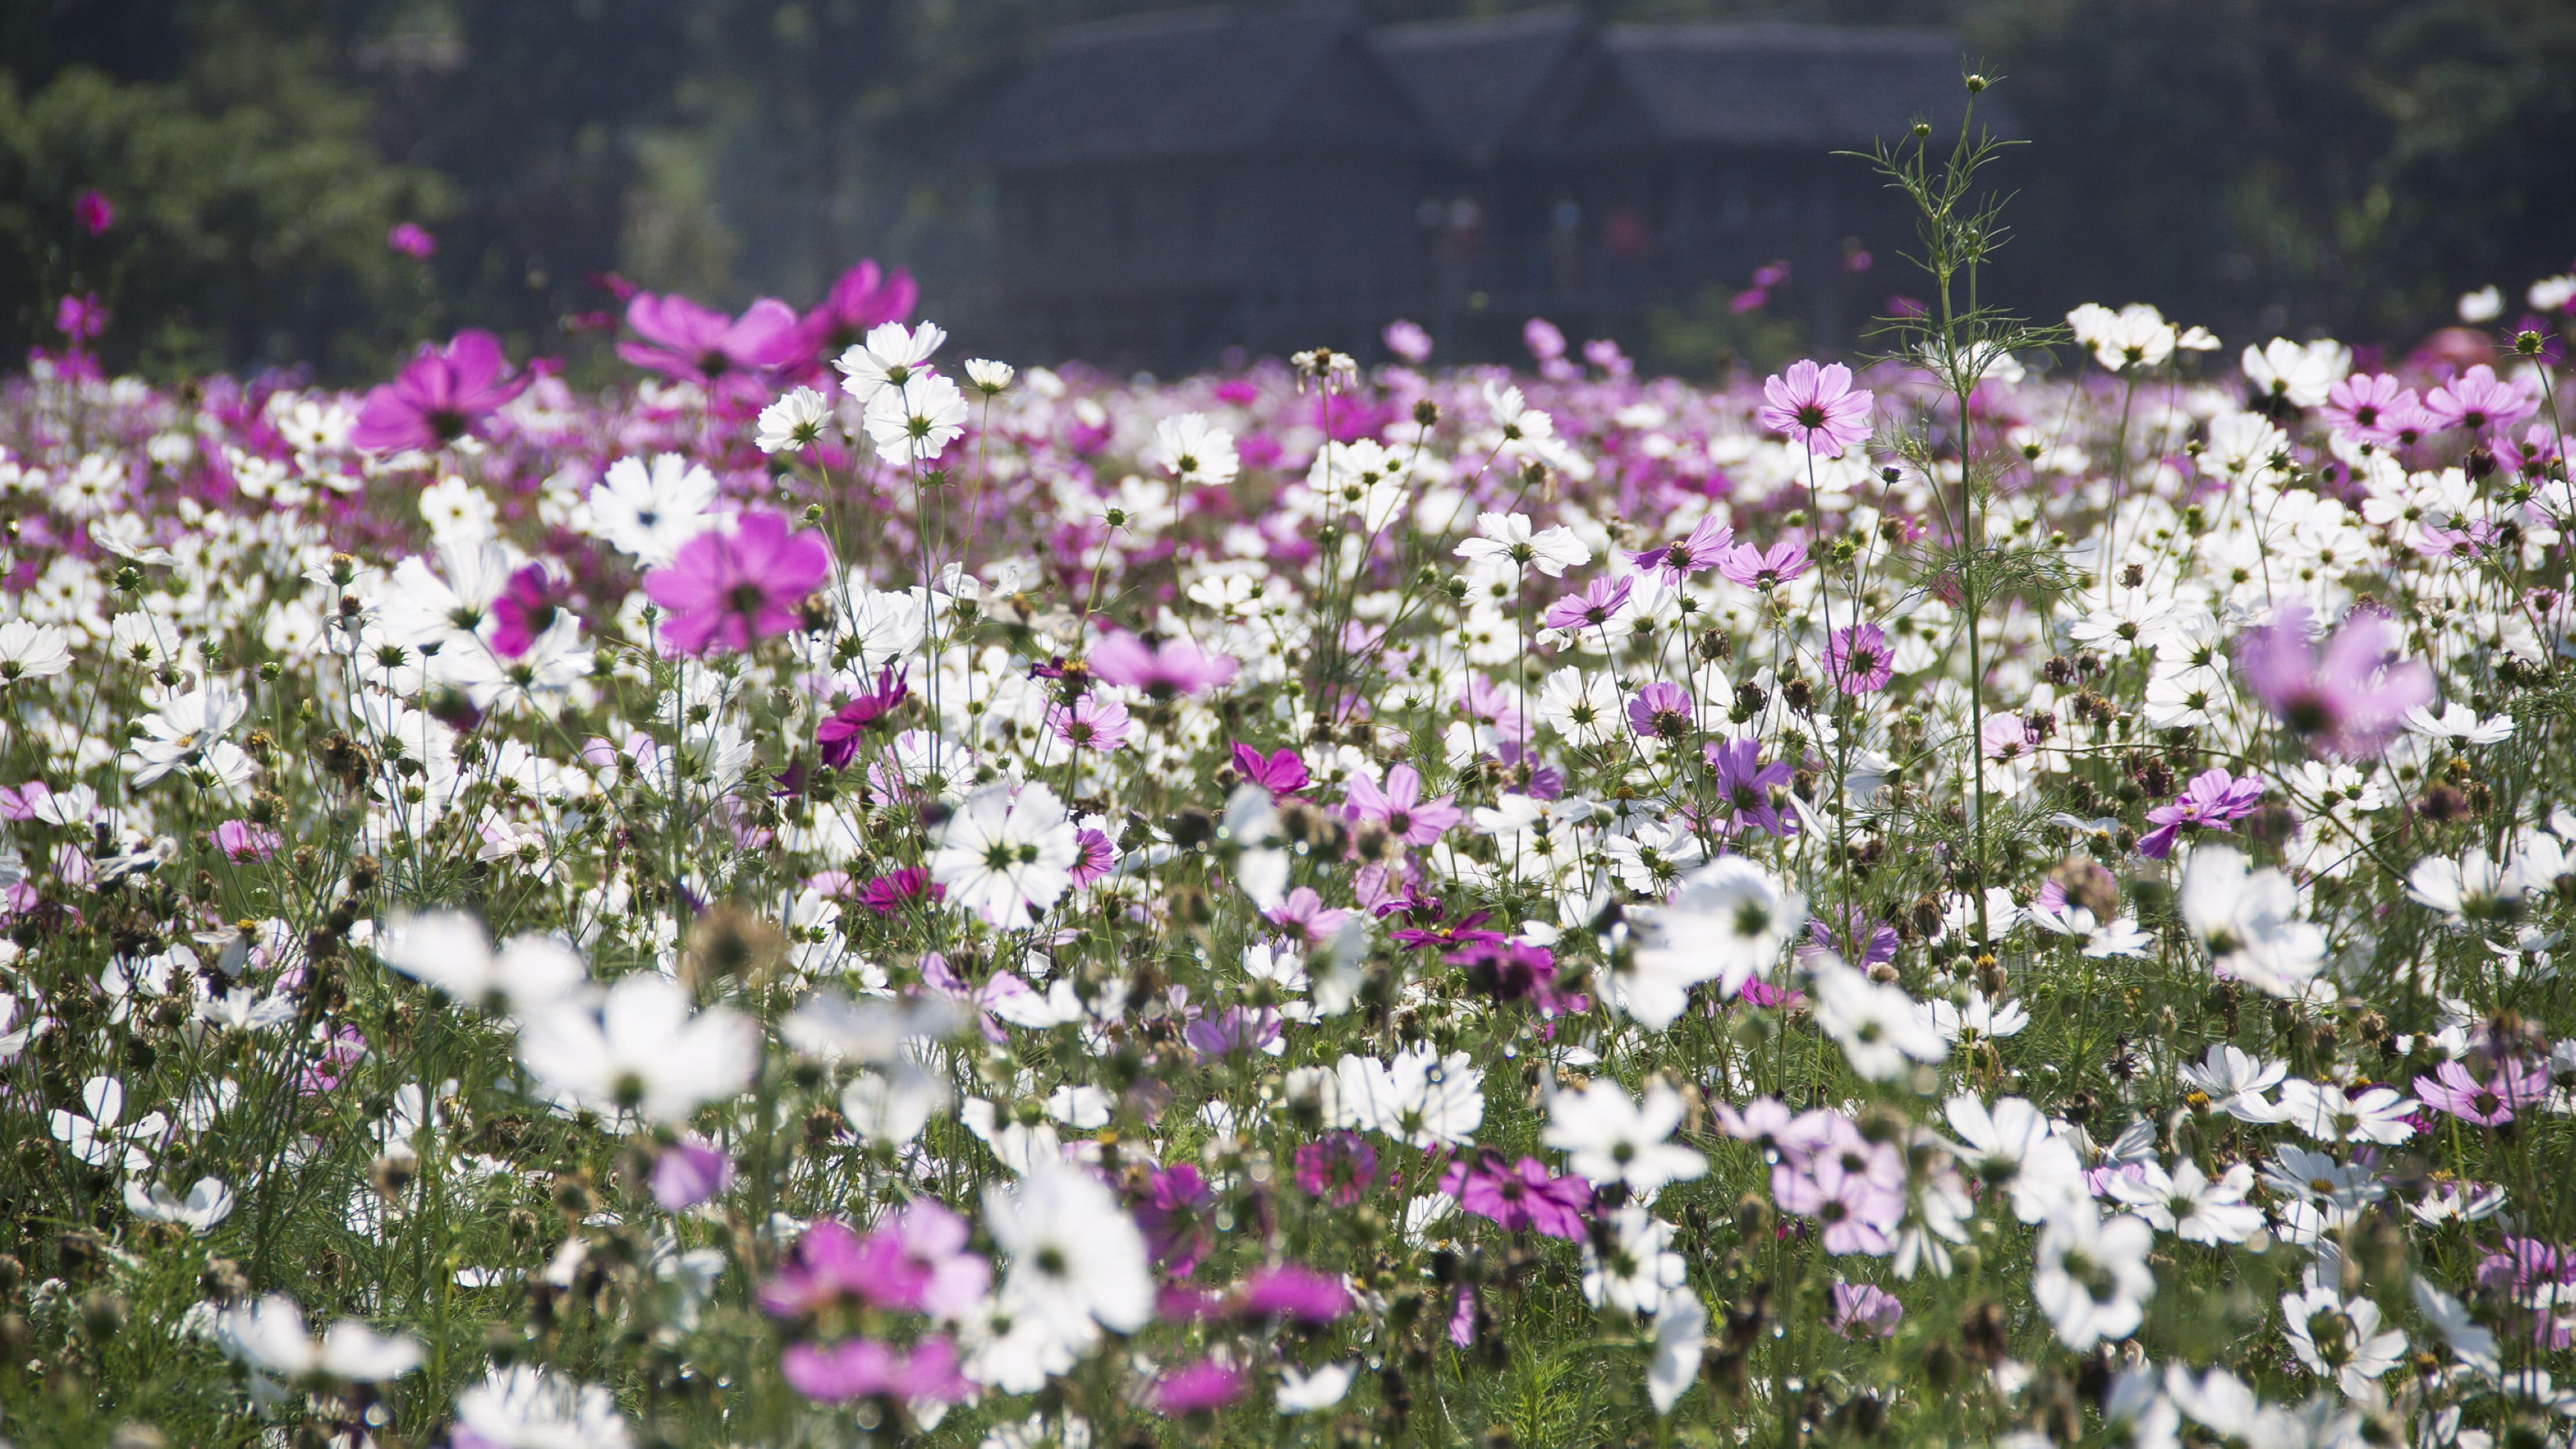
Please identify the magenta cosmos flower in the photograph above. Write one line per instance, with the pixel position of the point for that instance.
(2490, 1103)
(2369, 406)
(1522, 1195)
(862, 1368)
(1746, 786)
(2212, 800)
(1761, 568)
(1816, 406)
(837, 737)
(681, 339)
(1399, 807)
(1663, 710)
(1340, 1166)
(864, 296)
(1590, 608)
(93, 211)
(1293, 1291)
(731, 588)
(1683, 557)
(2349, 701)
(1200, 1388)
(1280, 772)
(442, 395)
(412, 240)
(2477, 400)
(1176, 666)
(1858, 660)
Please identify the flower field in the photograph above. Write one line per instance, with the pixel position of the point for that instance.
(839, 892)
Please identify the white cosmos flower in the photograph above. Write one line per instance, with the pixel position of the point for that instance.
(2187, 1204)
(988, 376)
(1007, 854)
(795, 421)
(2340, 1340)
(186, 730)
(1304, 1393)
(2248, 921)
(1726, 924)
(891, 356)
(526, 1407)
(2091, 1276)
(1881, 1029)
(650, 510)
(1506, 546)
(1193, 448)
(99, 1134)
(1078, 1262)
(918, 419)
(1681, 1331)
(2236, 1083)
(207, 1203)
(1608, 1136)
(447, 950)
(269, 1335)
(2329, 1113)
(642, 1050)
(2013, 1148)
(1639, 1267)
(32, 651)
(1421, 1097)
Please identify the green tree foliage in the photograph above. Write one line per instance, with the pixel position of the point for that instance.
(251, 201)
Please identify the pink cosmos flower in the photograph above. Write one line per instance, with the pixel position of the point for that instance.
(1340, 1166)
(244, 840)
(93, 211)
(1662, 710)
(1865, 1310)
(1510, 971)
(81, 318)
(1093, 856)
(861, 298)
(2490, 1103)
(2366, 404)
(1280, 772)
(887, 894)
(1683, 557)
(689, 1173)
(1522, 1195)
(1590, 608)
(2211, 800)
(1174, 1215)
(1854, 1189)
(1177, 666)
(837, 737)
(2478, 400)
(730, 588)
(1399, 807)
(682, 339)
(1746, 786)
(1858, 660)
(1296, 1292)
(1816, 406)
(1200, 1388)
(2352, 700)
(1304, 915)
(441, 395)
(2006, 737)
(862, 1368)
(1407, 340)
(1091, 723)
(411, 240)
(526, 607)
(1764, 569)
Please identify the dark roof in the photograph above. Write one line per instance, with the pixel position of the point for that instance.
(1476, 81)
(1790, 85)
(1204, 82)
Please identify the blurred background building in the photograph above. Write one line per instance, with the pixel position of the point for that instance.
(1092, 177)
(1171, 186)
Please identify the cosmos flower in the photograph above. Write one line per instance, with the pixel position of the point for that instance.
(1817, 407)
(685, 340)
(2352, 699)
(442, 395)
(1174, 667)
(728, 589)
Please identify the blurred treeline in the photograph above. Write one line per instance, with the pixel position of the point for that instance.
(2258, 165)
